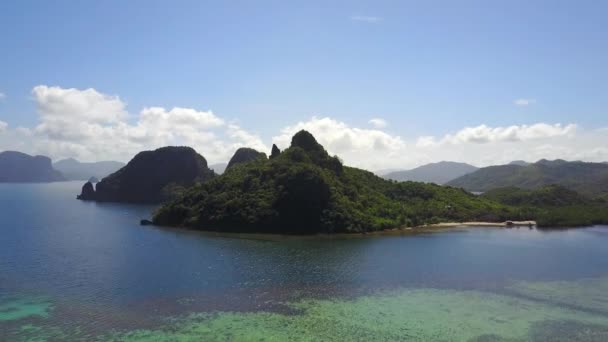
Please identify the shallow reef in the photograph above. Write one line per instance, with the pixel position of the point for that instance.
(526, 311)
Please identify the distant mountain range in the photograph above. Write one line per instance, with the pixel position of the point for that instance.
(72, 169)
(519, 162)
(17, 167)
(439, 173)
(587, 178)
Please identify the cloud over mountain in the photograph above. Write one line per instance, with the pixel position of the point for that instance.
(90, 125)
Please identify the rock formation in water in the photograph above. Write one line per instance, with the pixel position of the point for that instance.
(17, 167)
(152, 177)
(87, 193)
(244, 155)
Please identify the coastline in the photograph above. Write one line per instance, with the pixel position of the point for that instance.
(403, 231)
(447, 226)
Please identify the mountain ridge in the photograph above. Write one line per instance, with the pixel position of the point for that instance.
(18, 167)
(438, 173)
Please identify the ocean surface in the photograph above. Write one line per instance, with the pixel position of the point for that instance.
(83, 271)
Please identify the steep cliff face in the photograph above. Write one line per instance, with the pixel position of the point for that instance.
(16, 167)
(152, 176)
(244, 155)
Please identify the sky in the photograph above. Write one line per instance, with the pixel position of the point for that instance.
(382, 84)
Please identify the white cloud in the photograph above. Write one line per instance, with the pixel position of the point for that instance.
(2, 96)
(483, 134)
(524, 102)
(88, 105)
(481, 145)
(378, 123)
(90, 125)
(357, 146)
(366, 19)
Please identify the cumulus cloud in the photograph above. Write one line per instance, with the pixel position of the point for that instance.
(90, 125)
(378, 123)
(483, 134)
(524, 102)
(366, 19)
(482, 145)
(357, 146)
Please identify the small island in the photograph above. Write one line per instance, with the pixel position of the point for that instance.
(17, 167)
(304, 190)
(151, 177)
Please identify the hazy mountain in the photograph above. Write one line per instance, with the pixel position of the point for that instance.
(519, 162)
(438, 173)
(218, 168)
(587, 178)
(384, 172)
(17, 167)
(72, 169)
(151, 177)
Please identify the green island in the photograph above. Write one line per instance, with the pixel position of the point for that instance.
(304, 190)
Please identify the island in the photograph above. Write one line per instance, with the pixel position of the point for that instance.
(17, 167)
(304, 190)
(151, 177)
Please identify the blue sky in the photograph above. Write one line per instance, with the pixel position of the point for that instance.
(428, 68)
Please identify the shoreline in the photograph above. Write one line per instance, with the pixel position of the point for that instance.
(403, 231)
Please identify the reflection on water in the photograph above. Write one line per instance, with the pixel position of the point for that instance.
(78, 270)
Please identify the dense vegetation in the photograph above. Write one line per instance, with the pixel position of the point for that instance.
(553, 205)
(590, 179)
(152, 177)
(304, 190)
(244, 155)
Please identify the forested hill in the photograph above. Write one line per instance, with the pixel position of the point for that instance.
(590, 179)
(305, 190)
(439, 173)
(553, 205)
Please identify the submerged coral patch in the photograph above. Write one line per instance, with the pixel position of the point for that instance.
(24, 307)
(423, 314)
(585, 294)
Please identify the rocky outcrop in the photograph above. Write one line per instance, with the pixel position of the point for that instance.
(87, 193)
(17, 167)
(275, 151)
(151, 177)
(306, 141)
(244, 155)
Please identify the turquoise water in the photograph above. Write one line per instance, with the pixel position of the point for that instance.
(72, 270)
